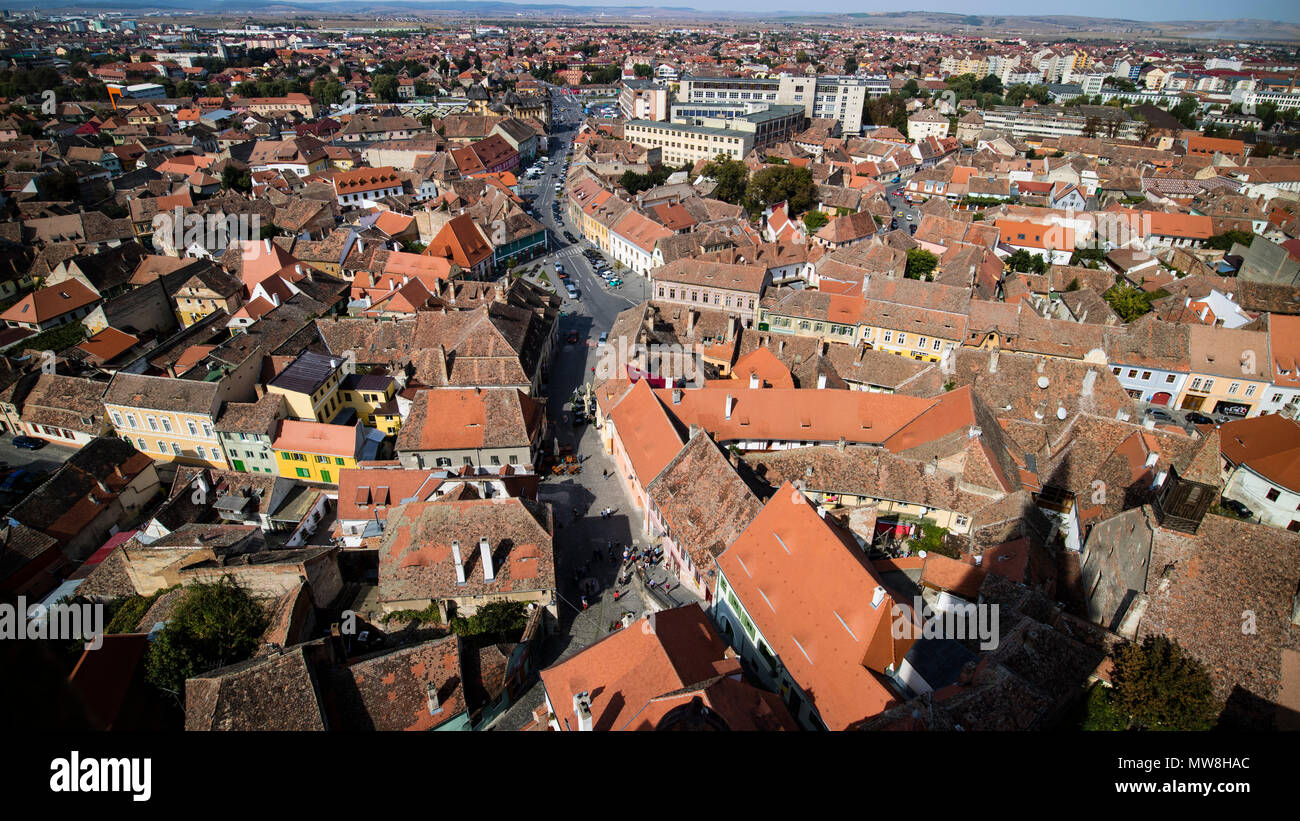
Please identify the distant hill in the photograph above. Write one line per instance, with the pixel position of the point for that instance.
(983, 24)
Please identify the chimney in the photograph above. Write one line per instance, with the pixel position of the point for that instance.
(694, 430)
(840, 444)
(460, 565)
(730, 404)
(821, 381)
(690, 323)
(677, 396)
(753, 381)
(877, 596)
(993, 362)
(1042, 363)
(780, 347)
(485, 553)
(431, 689)
(582, 709)
(267, 243)
(974, 432)
(731, 329)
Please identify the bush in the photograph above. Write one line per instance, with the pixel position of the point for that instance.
(55, 339)
(1100, 712)
(428, 615)
(129, 611)
(933, 540)
(495, 618)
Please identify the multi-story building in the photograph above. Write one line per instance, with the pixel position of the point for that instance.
(836, 97)
(1150, 359)
(1283, 396)
(734, 289)
(373, 397)
(316, 452)
(1056, 121)
(172, 420)
(1230, 371)
(309, 385)
(364, 186)
(706, 137)
(643, 100)
(1262, 460)
(247, 433)
(207, 292)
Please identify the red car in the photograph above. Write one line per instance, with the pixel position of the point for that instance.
(573, 337)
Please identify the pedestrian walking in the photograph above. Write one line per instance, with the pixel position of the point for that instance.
(584, 602)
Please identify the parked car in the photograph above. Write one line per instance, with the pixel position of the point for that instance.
(569, 237)
(29, 442)
(572, 338)
(1238, 508)
(911, 229)
(559, 268)
(604, 335)
(1198, 418)
(1156, 413)
(19, 481)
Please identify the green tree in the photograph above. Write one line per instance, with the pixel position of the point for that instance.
(327, 90)
(212, 626)
(384, 87)
(1023, 262)
(801, 57)
(782, 183)
(1127, 301)
(1267, 113)
(813, 221)
(920, 264)
(1160, 686)
(1224, 241)
(732, 177)
(643, 70)
(232, 179)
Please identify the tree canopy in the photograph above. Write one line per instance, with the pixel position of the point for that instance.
(212, 626)
(732, 177)
(1160, 686)
(787, 183)
(920, 264)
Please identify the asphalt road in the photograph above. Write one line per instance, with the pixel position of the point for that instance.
(597, 305)
(46, 459)
(895, 197)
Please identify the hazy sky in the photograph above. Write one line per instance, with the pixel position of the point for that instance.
(1288, 10)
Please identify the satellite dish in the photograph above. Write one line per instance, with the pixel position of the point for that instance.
(1042, 382)
(1061, 413)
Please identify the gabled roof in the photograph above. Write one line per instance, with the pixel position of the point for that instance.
(633, 675)
(809, 590)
